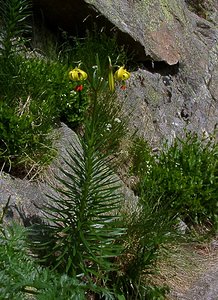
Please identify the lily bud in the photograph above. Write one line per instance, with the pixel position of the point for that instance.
(110, 76)
(77, 75)
(121, 74)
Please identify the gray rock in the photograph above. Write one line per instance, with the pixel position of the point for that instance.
(23, 197)
(159, 112)
(205, 288)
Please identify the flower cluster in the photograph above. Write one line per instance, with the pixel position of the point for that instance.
(120, 75)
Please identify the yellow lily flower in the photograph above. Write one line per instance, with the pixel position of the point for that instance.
(77, 75)
(121, 74)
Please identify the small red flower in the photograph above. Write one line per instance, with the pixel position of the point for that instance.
(78, 88)
(123, 87)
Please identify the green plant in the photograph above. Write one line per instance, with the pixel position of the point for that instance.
(149, 230)
(34, 97)
(84, 236)
(83, 229)
(184, 177)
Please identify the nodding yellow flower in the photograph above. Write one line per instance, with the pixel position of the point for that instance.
(110, 76)
(121, 74)
(77, 75)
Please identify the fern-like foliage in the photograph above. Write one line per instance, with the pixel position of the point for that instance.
(22, 278)
(81, 237)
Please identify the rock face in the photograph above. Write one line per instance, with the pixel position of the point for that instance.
(23, 195)
(175, 84)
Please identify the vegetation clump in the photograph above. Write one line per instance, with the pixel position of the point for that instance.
(182, 176)
(34, 93)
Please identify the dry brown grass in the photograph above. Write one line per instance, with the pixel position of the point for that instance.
(180, 266)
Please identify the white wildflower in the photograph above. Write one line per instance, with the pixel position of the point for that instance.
(117, 120)
(108, 127)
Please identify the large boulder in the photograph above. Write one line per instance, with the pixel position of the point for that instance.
(175, 84)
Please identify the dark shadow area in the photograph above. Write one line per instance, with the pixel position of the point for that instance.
(76, 18)
(160, 67)
(155, 67)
